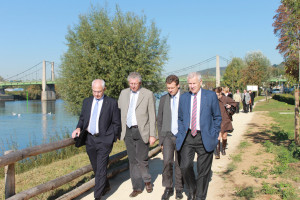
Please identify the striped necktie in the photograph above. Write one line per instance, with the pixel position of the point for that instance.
(194, 117)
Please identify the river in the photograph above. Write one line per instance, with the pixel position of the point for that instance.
(25, 124)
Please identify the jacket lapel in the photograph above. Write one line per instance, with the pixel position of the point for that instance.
(140, 98)
(104, 106)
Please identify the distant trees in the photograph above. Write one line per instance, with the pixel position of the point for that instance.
(253, 70)
(1, 79)
(110, 48)
(287, 28)
(257, 69)
(233, 74)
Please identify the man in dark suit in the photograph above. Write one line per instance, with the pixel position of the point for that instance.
(138, 118)
(167, 125)
(100, 117)
(199, 123)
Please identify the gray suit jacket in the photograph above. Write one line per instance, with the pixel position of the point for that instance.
(247, 99)
(145, 112)
(164, 117)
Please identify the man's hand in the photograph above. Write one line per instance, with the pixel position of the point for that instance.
(76, 133)
(152, 140)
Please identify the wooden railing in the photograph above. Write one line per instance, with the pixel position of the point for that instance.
(11, 157)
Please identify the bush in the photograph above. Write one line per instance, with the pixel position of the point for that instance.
(287, 98)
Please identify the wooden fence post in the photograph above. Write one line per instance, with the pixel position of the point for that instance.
(9, 178)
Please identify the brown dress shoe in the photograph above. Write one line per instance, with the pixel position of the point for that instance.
(149, 187)
(134, 193)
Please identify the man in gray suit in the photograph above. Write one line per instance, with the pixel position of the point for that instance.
(246, 100)
(167, 125)
(138, 119)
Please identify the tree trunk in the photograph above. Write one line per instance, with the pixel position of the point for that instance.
(297, 116)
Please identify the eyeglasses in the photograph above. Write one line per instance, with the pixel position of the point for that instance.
(134, 84)
(97, 92)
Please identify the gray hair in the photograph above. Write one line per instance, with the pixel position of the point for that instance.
(102, 81)
(134, 75)
(194, 74)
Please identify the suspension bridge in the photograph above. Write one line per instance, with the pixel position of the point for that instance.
(35, 75)
(42, 74)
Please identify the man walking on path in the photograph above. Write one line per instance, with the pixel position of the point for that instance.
(246, 101)
(167, 125)
(138, 130)
(237, 98)
(199, 121)
(100, 117)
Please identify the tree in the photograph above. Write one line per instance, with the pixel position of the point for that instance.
(1, 79)
(110, 48)
(233, 74)
(287, 28)
(257, 69)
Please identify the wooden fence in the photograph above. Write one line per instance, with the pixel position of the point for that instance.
(11, 157)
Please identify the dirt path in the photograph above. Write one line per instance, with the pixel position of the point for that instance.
(121, 185)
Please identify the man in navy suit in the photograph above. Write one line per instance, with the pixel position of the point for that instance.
(100, 117)
(199, 123)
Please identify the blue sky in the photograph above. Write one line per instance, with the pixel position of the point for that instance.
(35, 30)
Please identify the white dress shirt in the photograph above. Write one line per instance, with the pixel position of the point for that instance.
(98, 114)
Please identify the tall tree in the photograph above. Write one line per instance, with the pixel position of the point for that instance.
(257, 70)
(110, 47)
(233, 74)
(287, 28)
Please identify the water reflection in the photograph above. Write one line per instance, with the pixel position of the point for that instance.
(2, 104)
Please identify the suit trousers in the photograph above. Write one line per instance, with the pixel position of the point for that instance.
(245, 107)
(99, 155)
(137, 151)
(237, 107)
(169, 149)
(191, 146)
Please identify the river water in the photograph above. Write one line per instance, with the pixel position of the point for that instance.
(25, 124)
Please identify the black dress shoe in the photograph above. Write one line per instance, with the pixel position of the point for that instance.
(178, 194)
(167, 194)
(192, 196)
(106, 190)
(97, 198)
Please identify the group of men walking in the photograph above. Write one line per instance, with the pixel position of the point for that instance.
(187, 123)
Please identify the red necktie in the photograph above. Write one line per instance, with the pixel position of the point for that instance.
(194, 117)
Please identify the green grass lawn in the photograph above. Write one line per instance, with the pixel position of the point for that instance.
(282, 113)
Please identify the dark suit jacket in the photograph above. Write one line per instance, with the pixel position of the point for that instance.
(164, 117)
(210, 119)
(109, 119)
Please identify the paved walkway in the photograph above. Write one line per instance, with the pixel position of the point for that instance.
(121, 185)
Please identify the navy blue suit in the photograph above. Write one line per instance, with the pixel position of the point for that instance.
(98, 148)
(203, 143)
(210, 119)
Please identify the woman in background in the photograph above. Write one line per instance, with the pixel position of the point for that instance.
(226, 125)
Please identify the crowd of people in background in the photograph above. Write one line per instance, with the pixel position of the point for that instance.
(188, 123)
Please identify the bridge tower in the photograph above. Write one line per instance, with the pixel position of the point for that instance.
(48, 90)
(218, 75)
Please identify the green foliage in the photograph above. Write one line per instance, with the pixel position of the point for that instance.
(257, 70)
(268, 189)
(244, 144)
(286, 28)
(233, 74)
(286, 190)
(255, 172)
(109, 48)
(287, 98)
(236, 158)
(247, 193)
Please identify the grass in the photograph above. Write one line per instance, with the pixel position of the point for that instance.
(52, 165)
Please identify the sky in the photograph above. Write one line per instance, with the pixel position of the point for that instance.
(35, 30)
